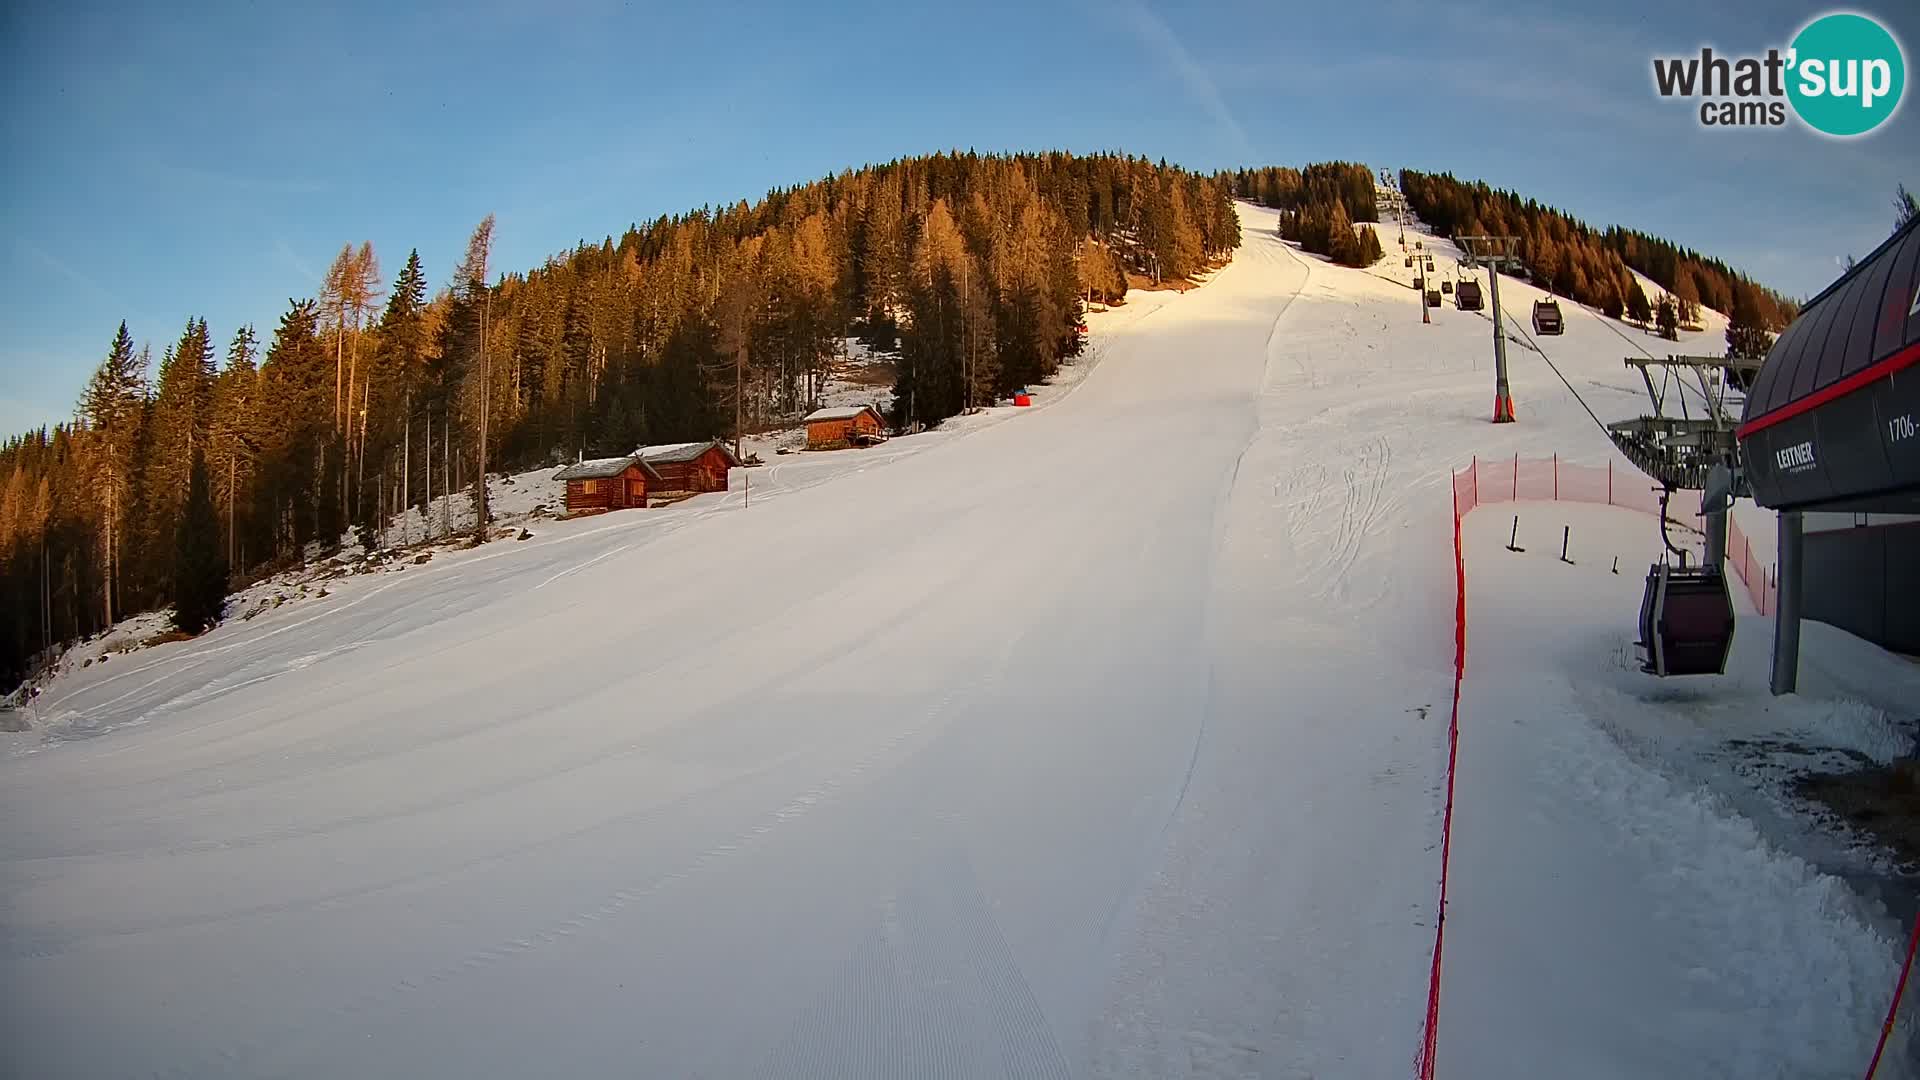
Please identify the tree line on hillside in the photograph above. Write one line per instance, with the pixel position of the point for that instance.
(175, 480)
(1319, 207)
(1592, 266)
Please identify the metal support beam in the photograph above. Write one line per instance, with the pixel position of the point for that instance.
(1786, 618)
(1497, 253)
(1715, 555)
(1502, 393)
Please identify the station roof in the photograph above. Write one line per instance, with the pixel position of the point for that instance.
(1830, 418)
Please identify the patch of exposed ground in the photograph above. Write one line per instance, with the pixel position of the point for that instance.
(1881, 801)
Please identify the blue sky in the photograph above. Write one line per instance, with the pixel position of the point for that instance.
(172, 161)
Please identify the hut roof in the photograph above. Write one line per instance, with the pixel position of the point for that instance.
(603, 468)
(680, 453)
(845, 412)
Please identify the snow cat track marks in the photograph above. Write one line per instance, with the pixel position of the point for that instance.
(388, 749)
(378, 1000)
(821, 794)
(201, 656)
(1286, 305)
(1028, 1046)
(345, 897)
(1222, 504)
(937, 947)
(572, 570)
(589, 757)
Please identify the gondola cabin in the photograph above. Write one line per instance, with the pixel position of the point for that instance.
(689, 468)
(1546, 317)
(1433, 297)
(1686, 621)
(834, 429)
(1468, 296)
(617, 483)
(1447, 287)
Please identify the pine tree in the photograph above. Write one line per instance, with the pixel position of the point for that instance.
(577, 376)
(930, 380)
(199, 570)
(113, 407)
(1370, 250)
(1611, 303)
(1151, 226)
(1668, 319)
(295, 395)
(233, 440)
(1905, 207)
(182, 420)
(1637, 307)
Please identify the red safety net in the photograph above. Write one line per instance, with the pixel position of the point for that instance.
(1762, 587)
(1550, 479)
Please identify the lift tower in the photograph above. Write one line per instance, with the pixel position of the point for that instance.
(1498, 253)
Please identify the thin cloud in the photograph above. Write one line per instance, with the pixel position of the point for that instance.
(1158, 37)
(64, 270)
(286, 254)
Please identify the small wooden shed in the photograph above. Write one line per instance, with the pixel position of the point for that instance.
(831, 429)
(615, 483)
(690, 467)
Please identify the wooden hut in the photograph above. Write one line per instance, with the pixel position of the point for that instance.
(689, 468)
(832, 429)
(608, 484)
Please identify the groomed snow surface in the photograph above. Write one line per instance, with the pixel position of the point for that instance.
(1099, 738)
(1621, 903)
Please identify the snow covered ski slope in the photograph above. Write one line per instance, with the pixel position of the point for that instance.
(1102, 740)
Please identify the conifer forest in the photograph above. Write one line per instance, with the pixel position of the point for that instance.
(310, 429)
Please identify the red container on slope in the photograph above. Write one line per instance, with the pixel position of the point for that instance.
(1022, 399)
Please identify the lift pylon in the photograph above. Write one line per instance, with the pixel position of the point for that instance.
(1497, 252)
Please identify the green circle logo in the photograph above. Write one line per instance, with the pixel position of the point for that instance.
(1846, 74)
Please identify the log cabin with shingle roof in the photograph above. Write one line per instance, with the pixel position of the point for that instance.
(615, 483)
(689, 467)
(832, 429)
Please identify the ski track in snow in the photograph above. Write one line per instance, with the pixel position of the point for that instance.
(1102, 738)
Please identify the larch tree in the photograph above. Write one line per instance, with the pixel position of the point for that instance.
(467, 322)
(1747, 335)
(1686, 298)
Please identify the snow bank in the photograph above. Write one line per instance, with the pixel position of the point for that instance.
(1634, 894)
